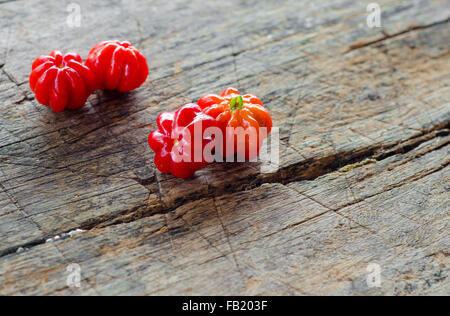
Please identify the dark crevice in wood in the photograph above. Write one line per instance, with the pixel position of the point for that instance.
(27, 246)
(415, 142)
(312, 169)
(9, 76)
(306, 170)
(6, 1)
(386, 36)
(394, 186)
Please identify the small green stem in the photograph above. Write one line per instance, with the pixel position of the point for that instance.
(237, 103)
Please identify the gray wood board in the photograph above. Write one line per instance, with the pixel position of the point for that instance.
(342, 94)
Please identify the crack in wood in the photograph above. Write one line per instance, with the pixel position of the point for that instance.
(378, 153)
(386, 36)
(7, 1)
(9, 76)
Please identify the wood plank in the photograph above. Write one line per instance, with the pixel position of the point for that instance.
(339, 92)
(88, 158)
(307, 237)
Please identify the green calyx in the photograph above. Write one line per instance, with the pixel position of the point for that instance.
(237, 103)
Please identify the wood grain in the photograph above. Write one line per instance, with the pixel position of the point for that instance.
(364, 119)
(304, 238)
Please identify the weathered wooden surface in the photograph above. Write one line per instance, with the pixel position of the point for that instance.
(364, 118)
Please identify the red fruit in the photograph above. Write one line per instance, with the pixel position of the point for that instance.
(117, 66)
(180, 140)
(233, 111)
(61, 82)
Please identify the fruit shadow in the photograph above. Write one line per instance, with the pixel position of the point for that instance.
(103, 137)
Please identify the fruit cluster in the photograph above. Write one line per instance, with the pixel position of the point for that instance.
(215, 128)
(223, 126)
(65, 82)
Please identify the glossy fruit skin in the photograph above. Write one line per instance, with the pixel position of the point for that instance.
(61, 81)
(175, 136)
(250, 114)
(117, 66)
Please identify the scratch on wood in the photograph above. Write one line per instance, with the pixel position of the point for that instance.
(386, 35)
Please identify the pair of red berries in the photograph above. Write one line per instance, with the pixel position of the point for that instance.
(65, 82)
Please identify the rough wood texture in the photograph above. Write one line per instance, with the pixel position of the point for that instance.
(364, 118)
